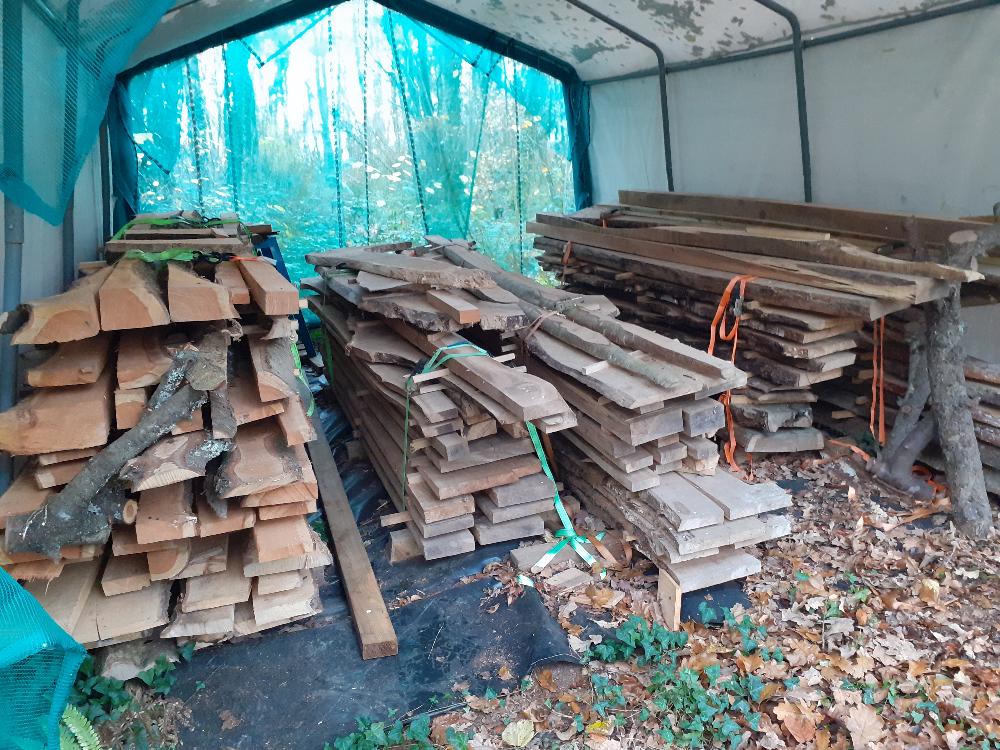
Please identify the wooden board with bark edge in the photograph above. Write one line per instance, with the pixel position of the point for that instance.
(376, 634)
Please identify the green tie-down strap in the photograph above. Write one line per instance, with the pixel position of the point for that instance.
(441, 356)
(567, 534)
(185, 254)
(172, 223)
(302, 377)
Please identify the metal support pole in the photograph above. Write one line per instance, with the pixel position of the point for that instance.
(661, 67)
(800, 91)
(13, 224)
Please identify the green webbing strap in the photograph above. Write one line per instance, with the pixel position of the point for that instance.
(567, 534)
(302, 377)
(441, 356)
(174, 253)
(172, 223)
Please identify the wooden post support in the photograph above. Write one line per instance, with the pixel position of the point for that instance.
(371, 618)
(668, 593)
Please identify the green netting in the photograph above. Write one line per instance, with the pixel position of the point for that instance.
(355, 125)
(38, 663)
(60, 60)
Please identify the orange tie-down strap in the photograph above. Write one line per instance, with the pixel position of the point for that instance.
(718, 332)
(878, 381)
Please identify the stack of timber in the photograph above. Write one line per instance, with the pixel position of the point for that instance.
(634, 447)
(450, 445)
(164, 485)
(813, 275)
(846, 406)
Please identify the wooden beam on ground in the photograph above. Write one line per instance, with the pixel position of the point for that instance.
(371, 618)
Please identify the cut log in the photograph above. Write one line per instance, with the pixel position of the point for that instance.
(218, 589)
(165, 514)
(281, 537)
(70, 316)
(65, 597)
(191, 297)
(131, 298)
(260, 461)
(130, 403)
(227, 275)
(144, 357)
(124, 574)
(173, 460)
(59, 419)
(211, 523)
(166, 564)
(58, 457)
(271, 291)
(73, 363)
(274, 369)
(55, 475)
(269, 609)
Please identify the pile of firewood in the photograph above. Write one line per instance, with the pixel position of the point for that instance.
(629, 409)
(802, 282)
(164, 485)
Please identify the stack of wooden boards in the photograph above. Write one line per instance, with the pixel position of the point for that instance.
(846, 406)
(813, 277)
(463, 470)
(640, 407)
(210, 539)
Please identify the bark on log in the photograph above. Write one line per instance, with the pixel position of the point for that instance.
(949, 396)
(76, 509)
(950, 405)
(534, 297)
(910, 434)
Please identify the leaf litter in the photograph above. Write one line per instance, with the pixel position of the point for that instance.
(873, 625)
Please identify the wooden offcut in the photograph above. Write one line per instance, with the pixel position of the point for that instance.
(131, 298)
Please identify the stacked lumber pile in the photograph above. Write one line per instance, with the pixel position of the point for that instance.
(633, 446)
(847, 405)
(814, 276)
(464, 469)
(165, 483)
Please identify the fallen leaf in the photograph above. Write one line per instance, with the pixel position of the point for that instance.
(865, 725)
(229, 720)
(802, 728)
(544, 678)
(930, 591)
(518, 733)
(504, 673)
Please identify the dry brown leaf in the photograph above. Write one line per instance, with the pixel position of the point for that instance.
(544, 678)
(865, 725)
(504, 673)
(930, 591)
(801, 727)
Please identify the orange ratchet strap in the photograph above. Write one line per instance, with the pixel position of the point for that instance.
(732, 335)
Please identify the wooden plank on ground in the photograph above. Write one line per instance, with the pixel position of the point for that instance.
(371, 618)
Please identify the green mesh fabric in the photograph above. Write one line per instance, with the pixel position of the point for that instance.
(38, 663)
(59, 63)
(356, 125)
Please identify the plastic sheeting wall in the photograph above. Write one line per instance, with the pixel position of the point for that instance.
(904, 120)
(901, 120)
(41, 271)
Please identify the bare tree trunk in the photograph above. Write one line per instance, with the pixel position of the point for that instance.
(950, 405)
